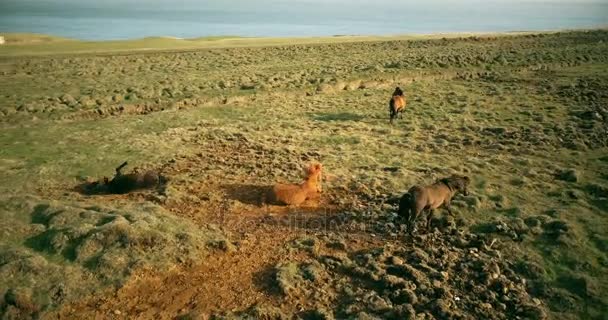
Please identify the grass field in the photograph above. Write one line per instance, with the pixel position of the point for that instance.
(524, 115)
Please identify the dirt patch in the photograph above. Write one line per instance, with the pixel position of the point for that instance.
(97, 247)
(526, 120)
(433, 276)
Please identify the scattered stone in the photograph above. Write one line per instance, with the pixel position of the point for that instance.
(533, 312)
(223, 245)
(530, 270)
(533, 222)
(68, 99)
(405, 296)
(378, 304)
(338, 245)
(395, 260)
(568, 175)
(319, 314)
(21, 298)
(472, 201)
(394, 282)
(441, 308)
(266, 312)
(556, 228)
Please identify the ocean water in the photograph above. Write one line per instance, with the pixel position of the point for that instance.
(128, 19)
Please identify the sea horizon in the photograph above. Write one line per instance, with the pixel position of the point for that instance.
(113, 20)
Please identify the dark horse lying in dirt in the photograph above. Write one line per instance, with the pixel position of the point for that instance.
(396, 104)
(431, 197)
(124, 183)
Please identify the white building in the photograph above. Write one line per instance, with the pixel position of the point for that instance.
(2, 41)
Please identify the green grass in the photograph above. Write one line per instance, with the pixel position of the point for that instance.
(512, 129)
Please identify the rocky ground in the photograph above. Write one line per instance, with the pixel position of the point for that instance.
(525, 117)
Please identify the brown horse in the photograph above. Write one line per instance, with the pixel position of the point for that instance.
(428, 198)
(125, 183)
(396, 104)
(296, 194)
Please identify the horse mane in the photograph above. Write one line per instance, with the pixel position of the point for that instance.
(398, 92)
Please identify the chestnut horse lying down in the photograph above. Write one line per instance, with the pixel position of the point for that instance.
(396, 104)
(296, 194)
(419, 199)
(124, 183)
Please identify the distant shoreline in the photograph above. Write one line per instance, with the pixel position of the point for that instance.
(25, 44)
(396, 35)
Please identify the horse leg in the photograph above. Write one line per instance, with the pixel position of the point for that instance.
(411, 222)
(429, 217)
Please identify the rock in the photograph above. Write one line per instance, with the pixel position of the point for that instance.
(583, 286)
(58, 293)
(312, 271)
(596, 190)
(519, 226)
(500, 227)
(67, 99)
(419, 256)
(568, 175)
(378, 304)
(287, 277)
(409, 273)
(308, 244)
(21, 298)
(405, 296)
(534, 312)
(445, 223)
(325, 88)
(530, 270)
(556, 227)
(338, 245)
(533, 222)
(393, 282)
(365, 316)
(486, 307)
(319, 314)
(223, 245)
(441, 308)
(405, 311)
(395, 260)
(336, 261)
(472, 201)
(591, 115)
(266, 312)
(496, 130)
(131, 96)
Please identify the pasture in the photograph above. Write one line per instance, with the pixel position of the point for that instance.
(525, 116)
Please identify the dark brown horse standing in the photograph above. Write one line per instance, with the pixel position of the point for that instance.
(428, 198)
(397, 104)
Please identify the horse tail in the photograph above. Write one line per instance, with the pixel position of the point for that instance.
(407, 210)
(392, 109)
(405, 204)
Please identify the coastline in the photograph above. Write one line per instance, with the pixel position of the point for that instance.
(28, 44)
